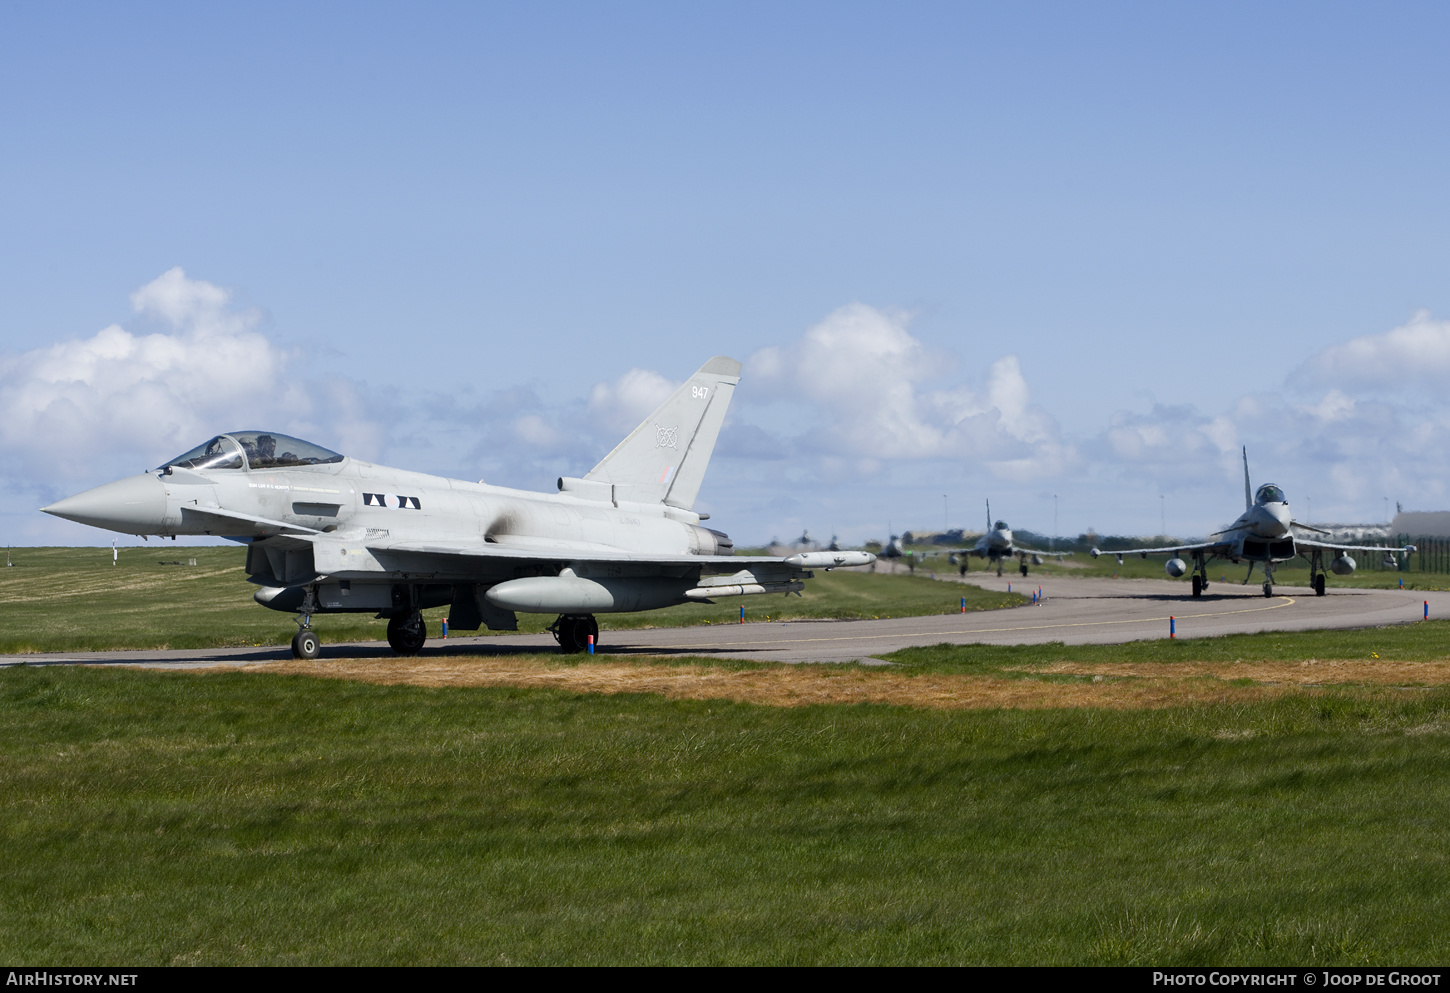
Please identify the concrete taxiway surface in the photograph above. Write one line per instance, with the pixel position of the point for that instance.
(1075, 611)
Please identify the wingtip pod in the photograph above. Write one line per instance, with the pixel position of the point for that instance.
(829, 560)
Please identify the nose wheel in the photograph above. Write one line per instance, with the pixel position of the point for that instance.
(306, 644)
(407, 633)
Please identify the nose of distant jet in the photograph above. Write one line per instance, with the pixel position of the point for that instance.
(134, 505)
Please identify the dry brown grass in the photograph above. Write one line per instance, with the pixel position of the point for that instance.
(795, 686)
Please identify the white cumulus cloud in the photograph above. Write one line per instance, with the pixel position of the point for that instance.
(1416, 354)
(620, 406)
(865, 376)
(90, 409)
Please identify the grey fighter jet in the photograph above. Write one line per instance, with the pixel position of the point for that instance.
(331, 534)
(1262, 534)
(996, 546)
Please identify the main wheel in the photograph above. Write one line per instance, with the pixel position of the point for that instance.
(407, 633)
(305, 645)
(573, 632)
(1197, 585)
(1319, 585)
(1268, 589)
(1024, 568)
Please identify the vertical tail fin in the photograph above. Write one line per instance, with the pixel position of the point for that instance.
(1248, 491)
(664, 459)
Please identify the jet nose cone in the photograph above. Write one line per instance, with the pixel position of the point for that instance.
(134, 505)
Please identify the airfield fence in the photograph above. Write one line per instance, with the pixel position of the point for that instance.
(1432, 555)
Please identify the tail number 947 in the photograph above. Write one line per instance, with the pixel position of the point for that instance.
(699, 392)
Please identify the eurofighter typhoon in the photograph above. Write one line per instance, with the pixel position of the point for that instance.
(1262, 534)
(326, 533)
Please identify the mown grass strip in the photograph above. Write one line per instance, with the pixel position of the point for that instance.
(233, 818)
(74, 599)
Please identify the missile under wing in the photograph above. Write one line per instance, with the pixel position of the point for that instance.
(327, 533)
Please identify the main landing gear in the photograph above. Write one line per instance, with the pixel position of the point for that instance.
(573, 631)
(305, 643)
(1316, 571)
(1024, 568)
(407, 633)
(1200, 574)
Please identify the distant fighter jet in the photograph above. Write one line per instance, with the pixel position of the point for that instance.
(996, 545)
(331, 534)
(1262, 534)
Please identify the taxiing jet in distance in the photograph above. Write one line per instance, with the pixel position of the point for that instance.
(326, 533)
(996, 545)
(1262, 534)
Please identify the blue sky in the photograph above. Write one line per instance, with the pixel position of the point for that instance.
(1003, 251)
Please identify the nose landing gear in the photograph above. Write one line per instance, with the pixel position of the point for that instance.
(305, 643)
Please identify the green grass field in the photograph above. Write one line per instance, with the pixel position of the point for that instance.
(1421, 642)
(222, 817)
(246, 818)
(74, 599)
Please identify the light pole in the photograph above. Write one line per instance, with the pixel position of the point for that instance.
(1052, 546)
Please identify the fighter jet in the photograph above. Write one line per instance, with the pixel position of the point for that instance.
(996, 545)
(326, 533)
(1262, 534)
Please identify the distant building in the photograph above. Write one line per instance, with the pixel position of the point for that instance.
(1351, 533)
(1422, 523)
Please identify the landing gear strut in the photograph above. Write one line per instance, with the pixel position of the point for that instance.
(573, 631)
(1268, 579)
(407, 633)
(305, 643)
(1316, 571)
(1200, 574)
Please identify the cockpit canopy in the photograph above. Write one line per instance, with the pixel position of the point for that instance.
(254, 450)
(1000, 526)
(1269, 493)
